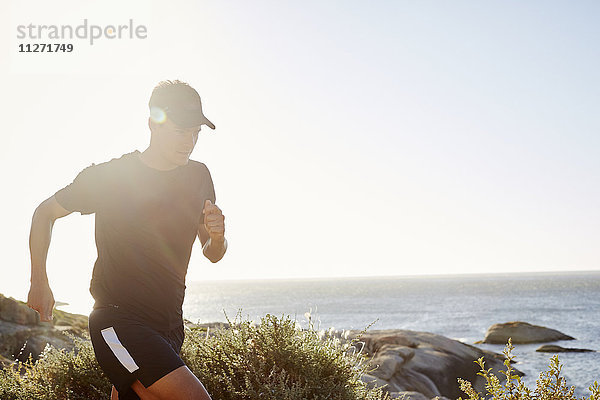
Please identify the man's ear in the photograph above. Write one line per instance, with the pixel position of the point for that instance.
(153, 125)
(153, 128)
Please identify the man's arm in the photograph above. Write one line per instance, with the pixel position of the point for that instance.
(212, 232)
(40, 296)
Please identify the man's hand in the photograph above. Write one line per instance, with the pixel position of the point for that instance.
(215, 246)
(214, 222)
(41, 299)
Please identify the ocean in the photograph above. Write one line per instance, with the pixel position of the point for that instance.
(460, 307)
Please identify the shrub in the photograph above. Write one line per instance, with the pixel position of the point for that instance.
(276, 360)
(550, 385)
(57, 375)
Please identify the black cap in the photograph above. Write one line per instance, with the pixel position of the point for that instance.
(180, 102)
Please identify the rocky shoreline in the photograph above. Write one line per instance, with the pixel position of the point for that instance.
(22, 335)
(411, 362)
(421, 365)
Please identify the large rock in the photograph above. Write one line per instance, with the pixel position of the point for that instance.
(552, 348)
(15, 311)
(429, 364)
(19, 342)
(521, 333)
(22, 335)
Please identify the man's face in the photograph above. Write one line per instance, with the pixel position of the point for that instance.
(175, 143)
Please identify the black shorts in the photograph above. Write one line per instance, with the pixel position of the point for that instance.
(128, 350)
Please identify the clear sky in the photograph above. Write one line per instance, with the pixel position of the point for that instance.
(353, 138)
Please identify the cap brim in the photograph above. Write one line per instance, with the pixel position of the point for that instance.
(186, 120)
(208, 123)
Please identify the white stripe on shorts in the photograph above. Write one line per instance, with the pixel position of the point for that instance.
(111, 339)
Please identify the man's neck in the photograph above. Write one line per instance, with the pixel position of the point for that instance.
(153, 160)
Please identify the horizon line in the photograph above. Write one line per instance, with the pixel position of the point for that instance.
(402, 276)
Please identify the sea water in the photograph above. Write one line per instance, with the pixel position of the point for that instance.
(459, 307)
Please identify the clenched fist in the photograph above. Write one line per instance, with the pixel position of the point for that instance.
(214, 221)
(41, 299)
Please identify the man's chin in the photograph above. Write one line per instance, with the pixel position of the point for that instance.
(181, 159)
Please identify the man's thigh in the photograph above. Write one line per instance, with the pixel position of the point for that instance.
(127, 351)
(179, 384)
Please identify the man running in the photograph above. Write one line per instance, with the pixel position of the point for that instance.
(149, 207)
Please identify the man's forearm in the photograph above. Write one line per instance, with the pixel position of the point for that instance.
(40, 297)
(214, 250)
(39, 242)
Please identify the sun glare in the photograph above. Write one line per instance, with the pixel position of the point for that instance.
(158, 115)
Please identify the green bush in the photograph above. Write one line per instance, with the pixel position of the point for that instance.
(276, 360)
(57, 375)
(550, 385)
(273, 360)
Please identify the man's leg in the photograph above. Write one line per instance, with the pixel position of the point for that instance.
(179, 384)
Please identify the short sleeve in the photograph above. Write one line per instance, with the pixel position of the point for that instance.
(209, 188)
(206, 189)
(84, 193)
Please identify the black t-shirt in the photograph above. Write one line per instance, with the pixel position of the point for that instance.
(146, 223)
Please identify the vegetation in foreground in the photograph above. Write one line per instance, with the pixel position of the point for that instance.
(277, 360)
(550, 385)
(272, 360)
